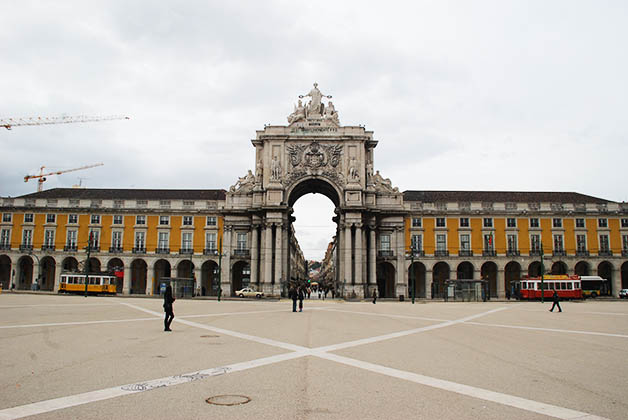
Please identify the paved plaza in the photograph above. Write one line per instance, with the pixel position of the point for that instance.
(108, 357)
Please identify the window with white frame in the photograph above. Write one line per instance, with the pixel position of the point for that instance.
(511, 222)
(581, 243)
(535, 243)
(384, 241)
(242, 240)
(27, 237)
(51, 218)
(624, 223)
(441, 242)
(511, 243)
(163, 242)
(5, 237)
(440, 222)
(188, 220)
(117, 219)
(49, 237)
(210, 241)
(116, 239)
(186, 241)
(488, 222)
(95, 219)
(164, 220)
(140, 240)
(71, 239)
(464, 222)
(558, 243)
(604, 243)
(28, 218)
(465, 242)
(211, 220)
(557, 222)
(488, 242)
(602, 223)
(140, 219)
(580, 223)
(7, 217)
(416, 222)
(534, 222)
(95, 237)
(624, 242)
(72, 218)
(416, 243)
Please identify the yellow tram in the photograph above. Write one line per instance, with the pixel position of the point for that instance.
(98, 283)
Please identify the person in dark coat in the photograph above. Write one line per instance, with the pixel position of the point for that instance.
(374, 296)
(168, 301)
(301, 297)
(556, 300)
(292, 294)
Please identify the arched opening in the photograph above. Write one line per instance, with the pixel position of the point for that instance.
(94, 266)
(417, 272)
(440, 273)
(512, 273)
(161, 269)
(185, 269)
(385, 280)
(582, 268)
(534, 269)
(605, 270)
(241, 276)
(5, 272)
(559, 268)
(209, 279)
(115, 267)
(489, 272)
(465, 271)
(624, 275)
(25, 273)
(48, 269)
(70, 265)
(139, 269)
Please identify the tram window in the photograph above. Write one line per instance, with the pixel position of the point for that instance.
(523, 285)
(576, 285)
(563, 286)
(568, 286)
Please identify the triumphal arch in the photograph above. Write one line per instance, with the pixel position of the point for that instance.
(315, 153)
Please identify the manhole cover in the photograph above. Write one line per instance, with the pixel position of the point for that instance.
(208, 336)
(228, 399)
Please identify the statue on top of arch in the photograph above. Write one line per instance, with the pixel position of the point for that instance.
(314, 109)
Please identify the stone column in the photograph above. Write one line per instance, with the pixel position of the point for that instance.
(126, 284)
(616, 282)
(358, 259)
(429, 277)
(501, 290)
(402, 275)
(373, 260)
(254, 254)
(268, 258)
(225, 269)
(150, 278)
(57, 279)
(278, 258)
(197, 279)
(347, 245)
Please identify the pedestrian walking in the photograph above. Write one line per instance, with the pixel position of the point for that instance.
(292, 294)
(374, 296)
(168, 301)
(556, 300)
(301, 296)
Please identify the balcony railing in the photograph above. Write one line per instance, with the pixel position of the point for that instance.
(116, 249)
(70, 248)
(210, 251)
(241, 252)
(605, 253)
(385, 253)
(139, 250)
(441, 253)
(47, 247)
(582, 253)
(489, 253)
(465, 253)
(624, 252)
(416, 253)
(5, 246)
(26, 247)
(535, 253)
(162, 251)
(94, 248)
(513, 253)
(186, 251)
(559, 253)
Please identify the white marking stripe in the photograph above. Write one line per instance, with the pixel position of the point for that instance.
(420, 318)
(517, 327)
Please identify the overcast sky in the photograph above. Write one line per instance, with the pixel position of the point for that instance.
(462, 95)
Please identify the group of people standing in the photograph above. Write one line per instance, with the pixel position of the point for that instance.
(297, 293)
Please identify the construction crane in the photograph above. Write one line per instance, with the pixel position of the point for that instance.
(42, 176)
(11, 122)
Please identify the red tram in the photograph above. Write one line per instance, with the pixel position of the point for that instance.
(568, 287)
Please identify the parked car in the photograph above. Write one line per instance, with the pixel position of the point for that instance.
(623, 293)
(249, 292)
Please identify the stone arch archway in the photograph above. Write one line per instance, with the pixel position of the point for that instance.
(512, 273)
(534, 269)
(559, 267)
(5, 272)
(139, 270)
(161, 269)
(624, 275)
(48, 271)
(582, 268)
(115, 267)
(94, 265)
(185, 269)
(24, 273)
(209, 279)
(440, 273)
(417, 272)
(241, 276)
(465, 271)
(489, 272)
(385, 280)
(605, 270)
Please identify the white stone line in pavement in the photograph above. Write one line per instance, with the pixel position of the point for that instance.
(479, 393)
(420, 318)
(75, 305)
(363, 341)
(118, 391)
(518, 327)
